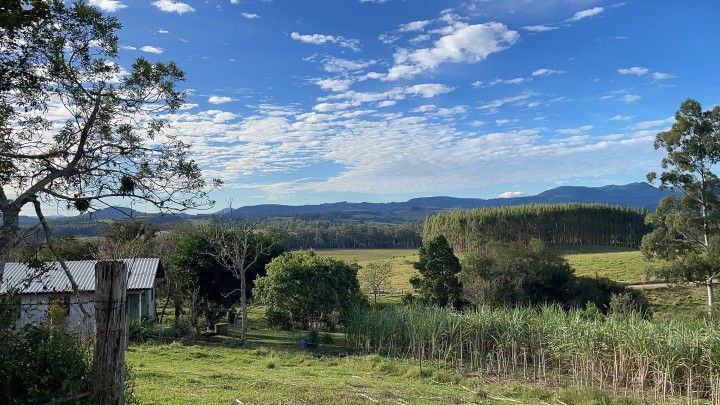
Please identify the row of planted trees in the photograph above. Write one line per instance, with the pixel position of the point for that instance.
(555, 224)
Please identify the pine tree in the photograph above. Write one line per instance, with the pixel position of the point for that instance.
(438, 267)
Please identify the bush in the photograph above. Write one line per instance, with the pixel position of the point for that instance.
(533, 274)
(303, 287)
(42, 365)
(517, 274)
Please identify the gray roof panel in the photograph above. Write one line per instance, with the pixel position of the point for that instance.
(52, 278)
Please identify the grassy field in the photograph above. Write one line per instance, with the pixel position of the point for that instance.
(177, 374)
(401, 261)
(620, 264)
(272, 369)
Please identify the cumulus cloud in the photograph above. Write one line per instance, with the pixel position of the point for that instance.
(662, 76)
(250, 16)
(539, 28)
(511, 194)
(152, 49)
(321, 39)
(630, 98)
(108, 5)
(414, 26)
(170, 6)
(652, 124)
(333, 84)
(462, 43)
(575, 131)
(634, 70)
(547, 72)
(582, 14)
(163, 32)
(219, 99)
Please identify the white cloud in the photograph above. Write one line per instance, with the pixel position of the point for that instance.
(219, 99)
(333, 84)
(428, 90)
(152, 49)
(163, 32)
(320, 39)
(386, 103)
(511, 194)
(620, 118)
(547, 72)
(634, 70)
(630, 98)
(575, 131)
(662, 76)
(414, 26)
(500, 102)
(170, 6)
(340, 65)
(651, 124)
(465, 43)
(585, 14)
(187, 106)
(128, 48)
(108, 5)
(250, 16)
(539, 28)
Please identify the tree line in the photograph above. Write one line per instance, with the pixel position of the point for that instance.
(468, 231)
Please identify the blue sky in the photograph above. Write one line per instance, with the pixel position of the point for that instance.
(300, 102)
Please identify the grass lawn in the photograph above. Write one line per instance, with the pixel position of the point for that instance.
(274, 370)
(618, 264)
(401, 261)
(177, 374)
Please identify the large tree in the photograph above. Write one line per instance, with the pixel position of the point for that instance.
(240, 246)
(438, 267)
(76, 129)
(687, 222)
(303, 287)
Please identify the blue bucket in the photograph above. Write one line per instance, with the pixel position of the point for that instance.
(304, 344)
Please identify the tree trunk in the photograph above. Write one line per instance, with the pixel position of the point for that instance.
(710, 297)
(243, 304)
(111, 332)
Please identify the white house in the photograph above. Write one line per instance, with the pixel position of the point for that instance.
(46, 292)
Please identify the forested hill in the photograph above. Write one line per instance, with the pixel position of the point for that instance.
(637, 195)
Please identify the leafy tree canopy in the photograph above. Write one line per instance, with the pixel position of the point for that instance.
(75, 127)
(438, 267)
(687, 224)
(303, 287)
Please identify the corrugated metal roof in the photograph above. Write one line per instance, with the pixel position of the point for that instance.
(52, 278)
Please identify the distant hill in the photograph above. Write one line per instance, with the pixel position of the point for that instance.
(638, 195)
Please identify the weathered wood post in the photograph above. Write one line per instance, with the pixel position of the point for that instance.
(111, 332)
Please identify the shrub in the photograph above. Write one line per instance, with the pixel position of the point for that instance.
(302, 287)
(517, 274)
(42, 365)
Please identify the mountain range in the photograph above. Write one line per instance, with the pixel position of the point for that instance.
(638, 195)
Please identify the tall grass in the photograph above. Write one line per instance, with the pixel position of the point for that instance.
(628, 355)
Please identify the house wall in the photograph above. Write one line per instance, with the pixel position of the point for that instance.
(34, 308)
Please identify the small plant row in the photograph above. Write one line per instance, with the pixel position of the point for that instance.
(468, 231)
(628, 355)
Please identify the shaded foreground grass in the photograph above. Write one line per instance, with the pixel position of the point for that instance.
(178, 374)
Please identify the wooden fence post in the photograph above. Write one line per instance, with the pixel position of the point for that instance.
(111, 332)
